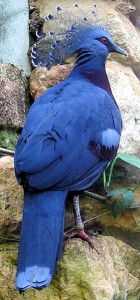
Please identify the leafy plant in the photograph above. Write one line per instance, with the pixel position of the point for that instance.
(130, 159)
(123, 197)
(124, 200)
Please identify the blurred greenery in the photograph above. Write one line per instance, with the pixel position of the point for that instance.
(123, 198)
(8, 139)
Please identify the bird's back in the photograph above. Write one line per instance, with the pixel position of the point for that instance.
(62, 127)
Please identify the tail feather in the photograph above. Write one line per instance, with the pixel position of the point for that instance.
(41, 238)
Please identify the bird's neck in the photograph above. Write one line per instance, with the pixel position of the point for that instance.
(92, 68)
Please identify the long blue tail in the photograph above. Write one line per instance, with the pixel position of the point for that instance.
(41, 238)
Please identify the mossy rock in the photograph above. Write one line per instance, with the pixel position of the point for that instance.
(83, 274)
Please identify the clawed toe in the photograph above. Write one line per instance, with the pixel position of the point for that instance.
(80, 234)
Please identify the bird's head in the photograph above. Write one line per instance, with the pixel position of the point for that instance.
(78, 39)
(98, 41)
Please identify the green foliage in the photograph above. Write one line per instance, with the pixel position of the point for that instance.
(124, 200)
(130, 159)
(116, 192)
(125, 197)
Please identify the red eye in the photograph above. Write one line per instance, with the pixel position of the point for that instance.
(104, 40)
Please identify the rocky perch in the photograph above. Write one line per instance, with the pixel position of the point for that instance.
(82, 274)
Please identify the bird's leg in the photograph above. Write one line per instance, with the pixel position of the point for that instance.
(76, 209)
(79, 226)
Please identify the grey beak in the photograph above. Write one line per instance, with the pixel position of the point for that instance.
(121, 51)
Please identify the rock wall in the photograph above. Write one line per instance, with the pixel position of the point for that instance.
(14, 35)
(83, 274)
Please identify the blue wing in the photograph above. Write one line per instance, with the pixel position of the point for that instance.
(68, 138)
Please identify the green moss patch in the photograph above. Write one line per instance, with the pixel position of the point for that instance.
(8, 139)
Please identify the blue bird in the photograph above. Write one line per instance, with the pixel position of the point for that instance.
(71, 133)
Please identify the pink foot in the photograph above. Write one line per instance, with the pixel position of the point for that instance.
(79, 234)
